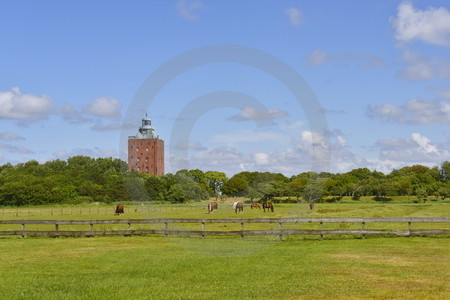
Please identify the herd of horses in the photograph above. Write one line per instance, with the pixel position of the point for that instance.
(237, 206)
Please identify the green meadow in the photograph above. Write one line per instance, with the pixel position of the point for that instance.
(154, 267)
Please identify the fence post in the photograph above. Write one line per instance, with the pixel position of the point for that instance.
(56, 227)
(321, 228)
(166, 227)
(281, 228)
(242, 229)
(23, 231)
(409, 228)
(363, 226)
(203, 229)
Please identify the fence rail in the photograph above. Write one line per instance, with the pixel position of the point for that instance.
(409, 231)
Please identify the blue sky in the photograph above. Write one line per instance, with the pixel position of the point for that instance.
(76, 77)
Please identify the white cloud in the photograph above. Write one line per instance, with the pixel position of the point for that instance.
(292, 126)
(261, 158)
(292, 159)
(301, 156)
(69, 113)
(318, 57)
(365, 60)
(249, 137)
(443, 92)
(417, 149)
(14, 149)
(414, 111)
(430, 26)
(422, 68)
(189, 9)
(251, 113)
(104, 107)
(99, 126)
(424, 143)
(8, 136)
(96, 152)
(295, 16)
(189, 145)
(224, 159)
(15, 105)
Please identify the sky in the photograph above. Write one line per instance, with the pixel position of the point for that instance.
(230, 86)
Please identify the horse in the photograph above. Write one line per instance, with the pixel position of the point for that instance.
(311, 205)
(267, 205)
(119, 209)
(238, 206)
(212, 206)
(255, 205)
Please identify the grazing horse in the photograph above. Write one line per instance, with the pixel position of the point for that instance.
(212, 206)
(119, 209)
(311, 205)
(238, 206)
(255, 205)
(267, 205)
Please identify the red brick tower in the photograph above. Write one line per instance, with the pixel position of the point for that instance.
(146, 150)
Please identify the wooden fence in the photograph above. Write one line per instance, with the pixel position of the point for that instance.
(106, 210)
(279, 231)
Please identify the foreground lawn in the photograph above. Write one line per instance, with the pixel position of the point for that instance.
(224, 268)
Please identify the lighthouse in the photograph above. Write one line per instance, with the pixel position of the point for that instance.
(146, 150)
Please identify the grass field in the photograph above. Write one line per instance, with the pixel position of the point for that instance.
(146, 267)
(160, 268)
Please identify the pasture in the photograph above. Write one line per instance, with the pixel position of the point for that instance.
(152, 267)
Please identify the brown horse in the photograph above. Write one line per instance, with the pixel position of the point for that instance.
(238, 206)
(119, 209)
(212, 206)
(311, 205)
(267, 205)
(255, 205)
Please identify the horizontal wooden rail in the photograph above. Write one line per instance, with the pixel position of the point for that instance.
(280, 231)
(266, 220)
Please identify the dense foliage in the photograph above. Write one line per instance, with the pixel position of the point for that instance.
(85, 179)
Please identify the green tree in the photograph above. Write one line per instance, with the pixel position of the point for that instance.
(215, 181)
(444, 171)
(236, 186)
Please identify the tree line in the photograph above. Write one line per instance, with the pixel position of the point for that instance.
(82, 179)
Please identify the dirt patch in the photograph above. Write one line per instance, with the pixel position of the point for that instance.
(392, 260)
